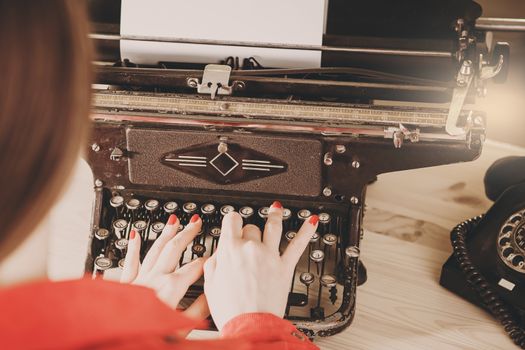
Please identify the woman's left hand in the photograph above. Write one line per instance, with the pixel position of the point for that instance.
(160, 271)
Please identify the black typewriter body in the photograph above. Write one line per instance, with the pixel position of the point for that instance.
(183, 138)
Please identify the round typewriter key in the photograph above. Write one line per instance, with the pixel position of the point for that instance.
(307, 278)
(140, 226)
(328, 281)
(121, 244)
(120, 226)
(317, 255)
(116, 201)
(329, 239)
(198, 249)
(121, 263)
(246, 212)
(102, 234)
(315, 238)
(304, 214)
(225, 209)
(170, 207)
(102, 263)
(324, 218)
(287, 214)
(215, 232)
(290, 235)
(263, 212)
(189, 207)
(151, 204)
(157, 227)
(133, 204)
(208, 209)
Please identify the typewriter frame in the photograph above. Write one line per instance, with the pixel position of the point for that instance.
(360, 150)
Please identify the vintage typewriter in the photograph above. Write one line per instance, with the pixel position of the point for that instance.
(235, 134)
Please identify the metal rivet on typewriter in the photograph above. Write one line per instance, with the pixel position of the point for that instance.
(340, 149)
(327, 191)
(151, 205)
(119, 226)
(317, 256)
(170, 207)
(225, 209)
(102, 263)
(121, 263)
(263, 212)
(189, 208)
(307, 279)
(356, 164)
(290, 235)
(140, 226)
(156, 230)
(102, 234)
(198, 249)
(246, 212)
(328, 160)
(304, 214)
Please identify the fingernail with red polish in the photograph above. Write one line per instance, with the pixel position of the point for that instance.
(172, 220)
(277, 204)
(314, 219)
(194, 218)
(132, 235)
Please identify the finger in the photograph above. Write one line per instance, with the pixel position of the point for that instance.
(231, 228)
(199, 310)
(170, 230)
(251, 232)
(274, 226)
(297, 246)
(188, 275)
(132, 260)
(170, 255)
(209, 268)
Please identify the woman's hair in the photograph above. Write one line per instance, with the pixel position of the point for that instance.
(45, 78)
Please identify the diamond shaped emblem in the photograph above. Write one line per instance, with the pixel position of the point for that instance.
(224, 163)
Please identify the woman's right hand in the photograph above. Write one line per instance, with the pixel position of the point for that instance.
(247, 274)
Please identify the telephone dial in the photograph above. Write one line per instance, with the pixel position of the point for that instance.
(487, 266)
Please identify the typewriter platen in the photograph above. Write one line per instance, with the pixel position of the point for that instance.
(187, 138)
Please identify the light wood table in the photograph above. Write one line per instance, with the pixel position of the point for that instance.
(408, 220)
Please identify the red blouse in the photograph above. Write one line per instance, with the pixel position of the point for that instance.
(107, 315)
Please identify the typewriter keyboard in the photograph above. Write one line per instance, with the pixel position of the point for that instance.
(315, 292)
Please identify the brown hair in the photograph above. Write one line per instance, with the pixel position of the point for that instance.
(45, 78)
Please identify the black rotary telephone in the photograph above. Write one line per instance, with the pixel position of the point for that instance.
(487, 266)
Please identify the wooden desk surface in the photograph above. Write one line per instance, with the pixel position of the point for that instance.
(408, 220)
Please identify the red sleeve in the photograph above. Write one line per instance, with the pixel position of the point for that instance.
(265, 328)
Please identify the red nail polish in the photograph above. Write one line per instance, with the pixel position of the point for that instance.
(132, 235)
(194, 218)
(314, 219)
(277, 204)
(172, 220)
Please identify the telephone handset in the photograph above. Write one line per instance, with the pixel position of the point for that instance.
(487, 266)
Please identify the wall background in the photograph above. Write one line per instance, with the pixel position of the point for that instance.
(505, 104)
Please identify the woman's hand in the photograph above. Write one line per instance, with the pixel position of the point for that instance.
(248, 274)
(159, 269)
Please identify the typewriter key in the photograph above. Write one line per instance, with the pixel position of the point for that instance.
(324, 218)
(121, 244)
(328, 281)
(304, 214)
(225, 209)
(102, 263)
(121, 263)
(102, 234)
(116, 201)
(120, 226)
(315, 238)
(287, 214)
(317, 256)
(215, 232)
(140, 227)
(208, 209)
(189, 208)
(133, 204)
(170, 207)
(151, 205)
(246, 212)
(307, 278)
(198, 249)
(329, 239)
(263, 212)
(290, 235)
(156, 230)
